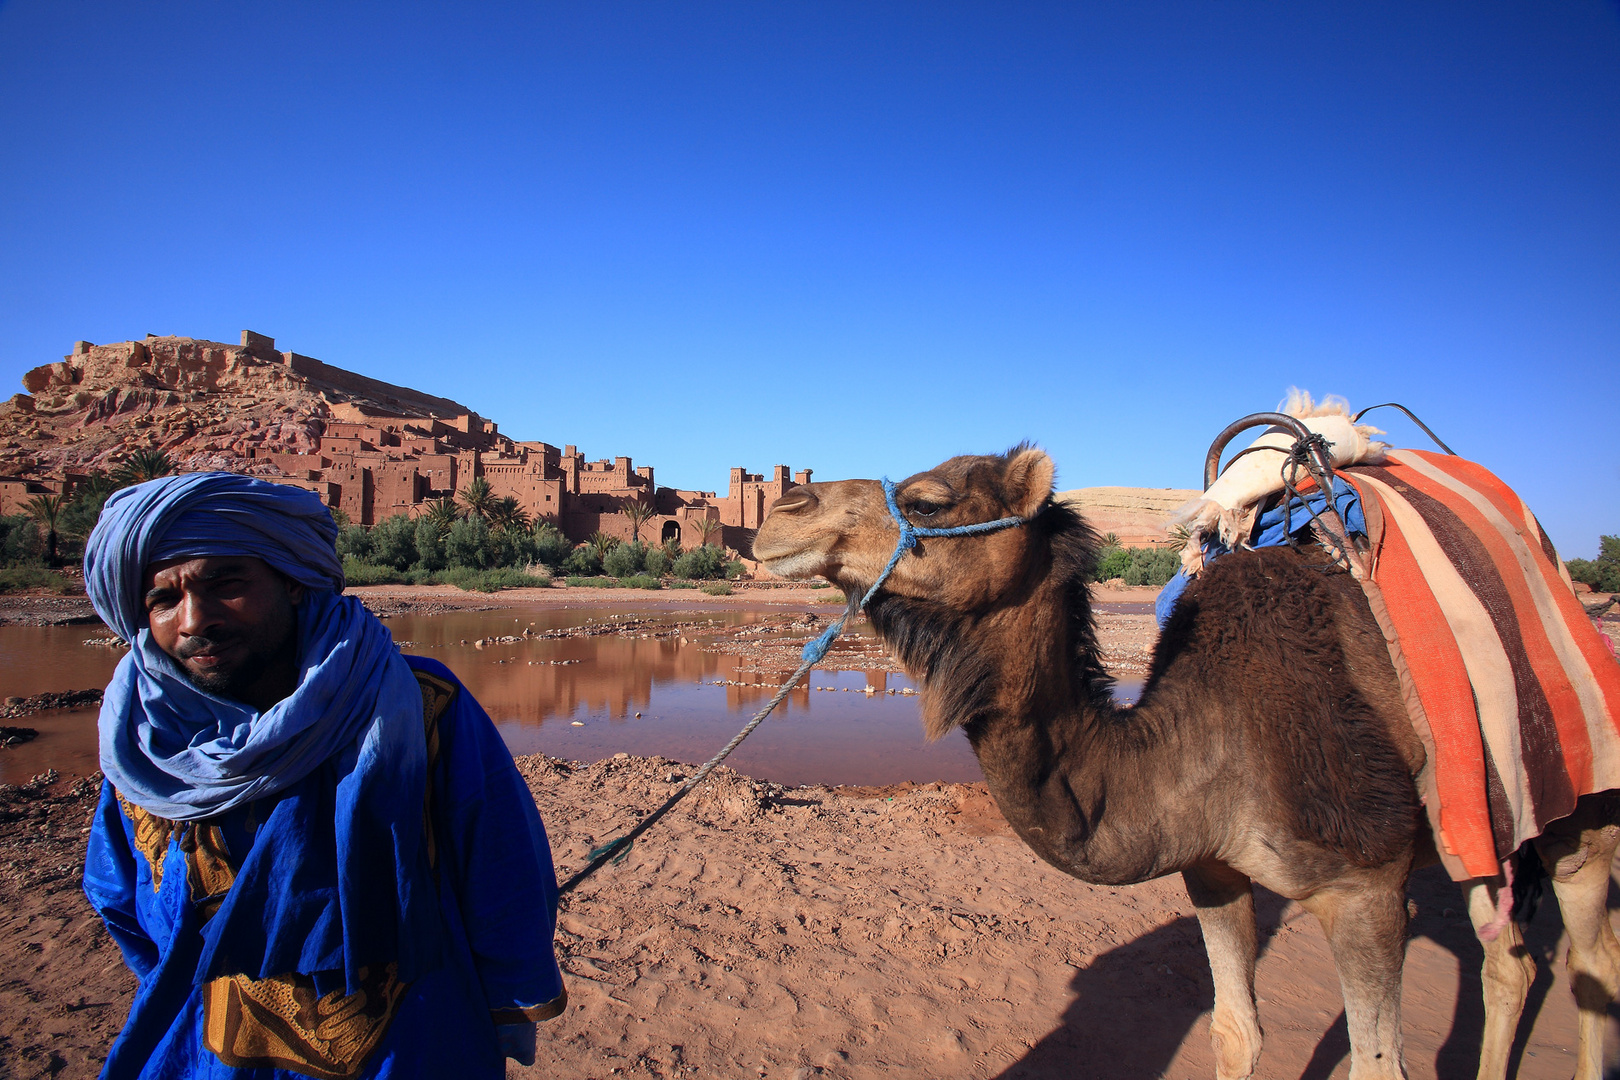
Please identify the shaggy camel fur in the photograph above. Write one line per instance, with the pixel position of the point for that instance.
(1269, 745)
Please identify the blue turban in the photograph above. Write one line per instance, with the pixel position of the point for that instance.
(185, 754)
(199, 515)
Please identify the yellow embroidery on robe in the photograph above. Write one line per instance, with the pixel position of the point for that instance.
(151, 837)
(208, 868)
(209, 873)
(280, 1023)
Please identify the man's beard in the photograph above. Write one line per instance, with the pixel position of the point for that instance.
(235, 682)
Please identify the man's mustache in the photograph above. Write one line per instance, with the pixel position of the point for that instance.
(202, 643)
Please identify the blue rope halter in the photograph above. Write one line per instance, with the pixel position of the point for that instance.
(815, 649)
(618, 848)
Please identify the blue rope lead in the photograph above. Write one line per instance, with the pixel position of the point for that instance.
(817, 648)
(617, 849)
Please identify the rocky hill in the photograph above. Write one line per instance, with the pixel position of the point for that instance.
(1136, 515)
(206, 403)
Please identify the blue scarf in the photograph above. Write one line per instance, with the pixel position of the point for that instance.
(185, 754)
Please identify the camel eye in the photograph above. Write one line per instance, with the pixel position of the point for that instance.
(923, 508)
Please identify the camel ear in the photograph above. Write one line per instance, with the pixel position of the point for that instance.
(1028, 481)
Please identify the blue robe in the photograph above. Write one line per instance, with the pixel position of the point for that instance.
(159, 886)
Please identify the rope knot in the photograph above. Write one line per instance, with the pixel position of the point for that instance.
(1300, 453)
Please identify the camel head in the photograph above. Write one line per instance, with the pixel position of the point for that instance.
(936, 607)
(843, 530)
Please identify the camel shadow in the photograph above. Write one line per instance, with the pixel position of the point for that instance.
(1137, 1002)
(1441, 919)
(1141, 1000)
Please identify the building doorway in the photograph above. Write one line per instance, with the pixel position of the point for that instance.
(671, 531)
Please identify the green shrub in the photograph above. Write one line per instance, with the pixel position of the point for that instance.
(583, 561)
(640, 581)
(1112, 562)
(84, 510)
(468, 545)
(358, 572)
(677, 583)
(354, 542)
(735, 569)
(474, 580)
(717, 588)
(657, 562)
(592, 583)
(429, 545)
(20, 542)
(624, 560)
(20, 578)
(1137, 566)
(1152, 566)
(548, 545)
(701, 563)
(393, 542)
(1603, 572)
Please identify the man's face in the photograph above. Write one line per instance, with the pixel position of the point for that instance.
(229, 622)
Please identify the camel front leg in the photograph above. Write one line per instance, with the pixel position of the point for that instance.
(1579, 867)
(1365, 926)
(1224, 900)
(1505, 977)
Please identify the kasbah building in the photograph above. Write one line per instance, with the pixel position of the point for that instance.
(350, 447)
(374, 466)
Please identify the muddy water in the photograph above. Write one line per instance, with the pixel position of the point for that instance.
(580, 698)
(588, 698)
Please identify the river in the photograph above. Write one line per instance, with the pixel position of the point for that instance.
(577, 697)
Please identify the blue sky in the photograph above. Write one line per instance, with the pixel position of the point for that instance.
(857, 238)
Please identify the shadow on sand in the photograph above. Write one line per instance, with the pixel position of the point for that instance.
(1135, 1005)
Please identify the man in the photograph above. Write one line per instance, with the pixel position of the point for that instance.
(315, 853)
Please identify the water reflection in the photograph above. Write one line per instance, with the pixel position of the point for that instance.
(585, 698)
(537, 690)
(668, 687)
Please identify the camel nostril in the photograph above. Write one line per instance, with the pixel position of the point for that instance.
(797, 498)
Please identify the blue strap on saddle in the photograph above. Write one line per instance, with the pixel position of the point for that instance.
(1272, 530)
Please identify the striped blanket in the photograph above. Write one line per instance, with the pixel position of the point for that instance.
(1513, 692)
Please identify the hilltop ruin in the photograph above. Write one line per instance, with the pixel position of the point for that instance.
(369, 448)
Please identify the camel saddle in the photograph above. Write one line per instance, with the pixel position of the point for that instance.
(1513, 691)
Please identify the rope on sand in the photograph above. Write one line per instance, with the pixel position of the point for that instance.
(617, 849)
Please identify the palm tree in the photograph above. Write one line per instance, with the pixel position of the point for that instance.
(706, 527)
(478, 498)
(443, 512)
(84, 508)
(602, 543)
(638, 513)
(145, 464)
(45, 509)
(506, 514)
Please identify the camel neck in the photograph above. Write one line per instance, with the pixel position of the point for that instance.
(1092, 787)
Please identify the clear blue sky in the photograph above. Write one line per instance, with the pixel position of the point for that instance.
(859, 237)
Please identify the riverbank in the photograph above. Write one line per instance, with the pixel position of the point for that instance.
(762, 931)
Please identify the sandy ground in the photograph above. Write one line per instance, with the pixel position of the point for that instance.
(762, 931)
(769, 932)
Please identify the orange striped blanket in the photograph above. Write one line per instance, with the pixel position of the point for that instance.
(1513, 692)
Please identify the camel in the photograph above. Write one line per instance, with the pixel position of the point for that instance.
(1269, 744)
